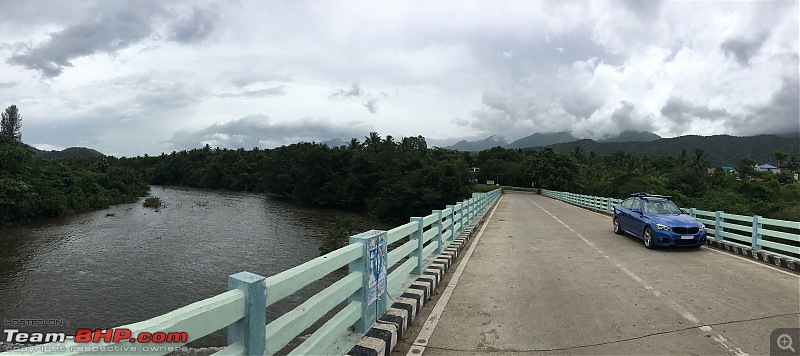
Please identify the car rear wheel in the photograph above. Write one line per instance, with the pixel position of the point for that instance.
(617, 229)
(648, 238)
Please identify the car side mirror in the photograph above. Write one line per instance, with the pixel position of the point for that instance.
(683, 211)
(636, 210)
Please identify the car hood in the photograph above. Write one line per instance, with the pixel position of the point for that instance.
(676, 220)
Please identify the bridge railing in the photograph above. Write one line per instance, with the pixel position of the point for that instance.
(779, 236)
(242, 309)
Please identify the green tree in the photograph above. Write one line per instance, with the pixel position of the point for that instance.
(11, 122)
(781, 157)
(338, 235)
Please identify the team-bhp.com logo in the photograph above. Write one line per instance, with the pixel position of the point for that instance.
(94, 336)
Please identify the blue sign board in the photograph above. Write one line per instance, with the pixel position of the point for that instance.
(377, 268)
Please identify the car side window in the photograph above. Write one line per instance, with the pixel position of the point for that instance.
(628, 204)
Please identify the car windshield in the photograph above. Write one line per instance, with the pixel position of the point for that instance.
(661, 207)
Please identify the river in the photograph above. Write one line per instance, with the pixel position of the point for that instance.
(129, 263)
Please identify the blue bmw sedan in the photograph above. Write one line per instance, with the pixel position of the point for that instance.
(658, 222)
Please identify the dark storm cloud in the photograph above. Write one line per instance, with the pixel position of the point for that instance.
(681, 111)
(194, 28)
(110, 31)
(781, 114)
(743, 49)
(624, 118)
(279, 90)
(114, 26)
(260, 131)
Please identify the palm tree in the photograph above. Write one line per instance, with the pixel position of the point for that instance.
(700, 160)
(372, 141)
(354, 144)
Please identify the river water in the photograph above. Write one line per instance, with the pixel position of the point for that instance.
(128, 263)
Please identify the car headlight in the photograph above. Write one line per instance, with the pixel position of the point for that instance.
(702, 228)
(662, 227)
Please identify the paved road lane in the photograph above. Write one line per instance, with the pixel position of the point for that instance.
(550, 277)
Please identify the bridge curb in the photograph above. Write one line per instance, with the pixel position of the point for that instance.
(776, 260)
(381, 339)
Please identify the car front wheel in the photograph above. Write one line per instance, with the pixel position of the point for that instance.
(648, 238)
(617, 229)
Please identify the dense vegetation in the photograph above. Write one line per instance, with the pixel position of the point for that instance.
(32, 188)
(684, 176)
(71, 152)
(390, 179)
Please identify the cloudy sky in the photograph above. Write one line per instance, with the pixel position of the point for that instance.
(135, 77)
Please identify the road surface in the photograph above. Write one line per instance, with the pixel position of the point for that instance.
(551, 278)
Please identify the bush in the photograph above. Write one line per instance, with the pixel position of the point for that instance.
(152, 202)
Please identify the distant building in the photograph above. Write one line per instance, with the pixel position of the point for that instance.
(767, 168)
(726, 169)
(474, 169)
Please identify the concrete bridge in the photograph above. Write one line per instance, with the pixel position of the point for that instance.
(549, 277)
(504, 274)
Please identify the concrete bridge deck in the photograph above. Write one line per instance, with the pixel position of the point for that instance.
(548, 277)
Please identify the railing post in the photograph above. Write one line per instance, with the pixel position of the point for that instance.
(693, 212)
(418, 237)
(438, 237)
(452, 218)
(476, 197)
(250, 332)
(756, 235)
(718, 225)
(372, 266)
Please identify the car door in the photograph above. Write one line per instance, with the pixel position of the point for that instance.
(625, 216)
(638, 218)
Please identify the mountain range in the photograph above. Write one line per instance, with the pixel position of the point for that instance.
(721, 150)
(545, 139)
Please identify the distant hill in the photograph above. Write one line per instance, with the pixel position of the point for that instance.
(336, 142)
(633, 136)
(485, 144)
(540, 139)
(72, 152)
(722, 150)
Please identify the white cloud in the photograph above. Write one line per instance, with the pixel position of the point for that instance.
(133, 77)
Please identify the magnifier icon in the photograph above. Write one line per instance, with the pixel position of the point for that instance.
(785, 342)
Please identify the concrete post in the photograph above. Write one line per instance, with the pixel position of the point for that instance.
(717, 225)
(756, 235)
(417, 235)
(251, 331)
(372, 266)
(452, 218)
(437, 238)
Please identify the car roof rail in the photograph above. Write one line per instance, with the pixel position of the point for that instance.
(648, 195)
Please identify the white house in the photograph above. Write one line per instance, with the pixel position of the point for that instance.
(768, 168)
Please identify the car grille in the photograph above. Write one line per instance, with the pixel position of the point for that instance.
(685, 242)
(685, 230)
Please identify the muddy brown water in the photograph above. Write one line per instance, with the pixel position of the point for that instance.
(129, 263)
